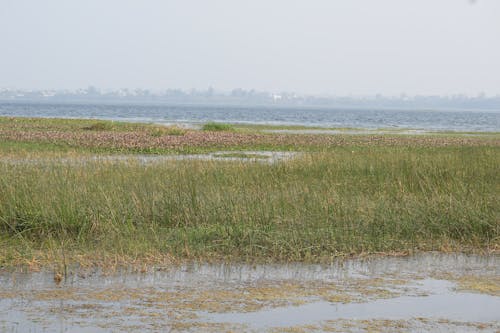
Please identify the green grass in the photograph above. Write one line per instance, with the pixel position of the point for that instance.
(217, 127)
(159, 131)
(347, 198)
(265, 127)
(63, 124)
(382, 130)
(323, 204)
(20, 148)
(16, 148)
(73, 125)
(99, 126)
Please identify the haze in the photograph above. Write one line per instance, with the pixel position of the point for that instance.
(317, 47)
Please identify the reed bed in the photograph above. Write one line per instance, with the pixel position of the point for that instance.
(337, 202)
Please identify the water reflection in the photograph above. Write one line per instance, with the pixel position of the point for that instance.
(418, 291)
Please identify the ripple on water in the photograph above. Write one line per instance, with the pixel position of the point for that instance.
(419, 293)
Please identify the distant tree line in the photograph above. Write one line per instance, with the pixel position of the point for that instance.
(249, 97)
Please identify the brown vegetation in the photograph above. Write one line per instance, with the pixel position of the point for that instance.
(143, 139)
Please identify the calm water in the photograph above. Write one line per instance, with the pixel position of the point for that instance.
(475, 121)
(422, 293)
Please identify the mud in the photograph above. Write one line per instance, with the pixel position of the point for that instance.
(429, 292)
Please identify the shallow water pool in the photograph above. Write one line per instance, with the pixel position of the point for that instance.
(427, 292)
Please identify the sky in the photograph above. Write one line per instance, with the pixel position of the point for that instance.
(335, 47)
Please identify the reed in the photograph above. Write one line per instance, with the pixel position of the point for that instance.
(343, 201)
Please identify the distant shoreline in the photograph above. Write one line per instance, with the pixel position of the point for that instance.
(349, 107)
(274, 115)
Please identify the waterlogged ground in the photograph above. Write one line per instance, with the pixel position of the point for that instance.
(430, 292)
(237, 156)
(61, 134)
(364, 131)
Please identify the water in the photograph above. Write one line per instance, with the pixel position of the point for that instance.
(419, 293)
(261, 156)
(443, 303)
(470, 121)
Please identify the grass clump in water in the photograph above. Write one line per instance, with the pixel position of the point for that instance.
(484, 285)
(217, 127)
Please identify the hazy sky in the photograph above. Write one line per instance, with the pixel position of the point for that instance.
(311, 46)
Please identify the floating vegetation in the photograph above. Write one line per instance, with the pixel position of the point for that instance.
(489, 286)
(391, 326)
(373, 294)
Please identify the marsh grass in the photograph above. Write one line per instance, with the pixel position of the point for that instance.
(71, 125)
(39, 135)
(159, 131)
(98, 126)
(323, 204)
(217, 127)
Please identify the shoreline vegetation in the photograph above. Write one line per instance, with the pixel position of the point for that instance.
(344, 195)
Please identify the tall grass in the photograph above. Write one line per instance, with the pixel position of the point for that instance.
(312, 208)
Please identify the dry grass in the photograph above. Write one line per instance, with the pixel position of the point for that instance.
(483, 285)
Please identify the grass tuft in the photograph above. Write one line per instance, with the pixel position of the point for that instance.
(217, 127)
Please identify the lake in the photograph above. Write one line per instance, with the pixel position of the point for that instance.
(428, 120)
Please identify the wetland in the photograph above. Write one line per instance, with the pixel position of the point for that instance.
(116, 226)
